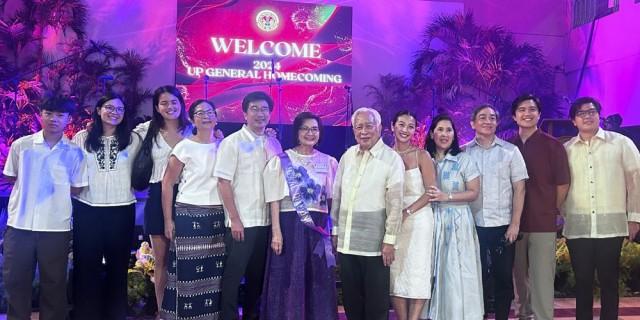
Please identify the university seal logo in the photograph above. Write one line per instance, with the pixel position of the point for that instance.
(267, 20)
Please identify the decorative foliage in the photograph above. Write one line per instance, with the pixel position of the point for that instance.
(629, 282)
(394, 93)
(43, 52)
(565, 279)
(461, 65)
(466, 64)
(629, 278)
(140, 294)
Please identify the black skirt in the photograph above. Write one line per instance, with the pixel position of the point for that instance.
(153, 218)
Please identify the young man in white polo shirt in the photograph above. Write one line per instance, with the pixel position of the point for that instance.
(242, 157)
(47, 168)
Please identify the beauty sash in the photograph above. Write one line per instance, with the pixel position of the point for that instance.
(324, 246)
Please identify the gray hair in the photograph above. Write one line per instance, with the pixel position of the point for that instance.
(376, 115)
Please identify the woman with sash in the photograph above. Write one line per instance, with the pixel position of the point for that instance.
(300, 277)
(197, 250)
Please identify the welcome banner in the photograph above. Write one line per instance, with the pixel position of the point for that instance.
(299, 53)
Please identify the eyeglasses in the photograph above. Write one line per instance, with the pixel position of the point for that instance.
(310, 129)
(205, 114)
(256, 109)
(113, 109)
(587, 113)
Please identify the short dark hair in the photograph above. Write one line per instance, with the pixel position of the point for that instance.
(581, 101)
(192, 107)
(299, 120)
(192, 111)
(482, 107)
(430, 144)
(403, 113)
(256, 96)
(525, 97)
(59, 104)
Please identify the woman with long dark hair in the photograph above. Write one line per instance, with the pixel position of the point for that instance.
(168, 126)
(300, 276)
(197, 229)
(457, 288)
(411, 270)
(104, 213)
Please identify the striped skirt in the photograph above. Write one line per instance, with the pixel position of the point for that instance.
(195, 264)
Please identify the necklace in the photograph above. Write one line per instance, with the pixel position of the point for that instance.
(403, 151)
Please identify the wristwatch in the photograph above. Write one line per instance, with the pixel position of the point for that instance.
(450, 197)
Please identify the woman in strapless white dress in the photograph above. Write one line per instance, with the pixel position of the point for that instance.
(411, 271)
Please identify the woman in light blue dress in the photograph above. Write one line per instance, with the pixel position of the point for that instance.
(457, 287)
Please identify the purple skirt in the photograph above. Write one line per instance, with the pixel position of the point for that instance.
(298, 284)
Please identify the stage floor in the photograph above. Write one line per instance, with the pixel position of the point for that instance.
(564, 309)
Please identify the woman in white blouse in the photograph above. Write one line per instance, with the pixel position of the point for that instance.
(168, 126)
(104, 214)
(197, 229)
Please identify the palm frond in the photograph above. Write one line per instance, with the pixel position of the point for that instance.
(468, 64)
(131, 68)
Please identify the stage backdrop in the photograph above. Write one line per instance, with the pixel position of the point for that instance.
(300, 53)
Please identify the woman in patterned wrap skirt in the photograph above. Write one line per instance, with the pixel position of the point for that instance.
(197, 252)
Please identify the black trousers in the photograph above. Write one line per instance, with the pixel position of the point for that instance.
(588, 256)
(24, 249)
(244, 258)
(101, 232)
(365, 287)
(497, 269)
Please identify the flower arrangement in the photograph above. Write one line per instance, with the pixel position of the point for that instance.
(140, 288)
(145, 261)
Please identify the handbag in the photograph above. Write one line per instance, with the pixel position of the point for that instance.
(142, 165)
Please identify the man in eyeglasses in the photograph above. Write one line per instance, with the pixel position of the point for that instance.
(602, 206)
(498, 208)
(242, 157)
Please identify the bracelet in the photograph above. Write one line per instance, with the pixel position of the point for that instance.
(450, 198)
(409, 212)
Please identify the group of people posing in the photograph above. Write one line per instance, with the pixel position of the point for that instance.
(440, 232)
